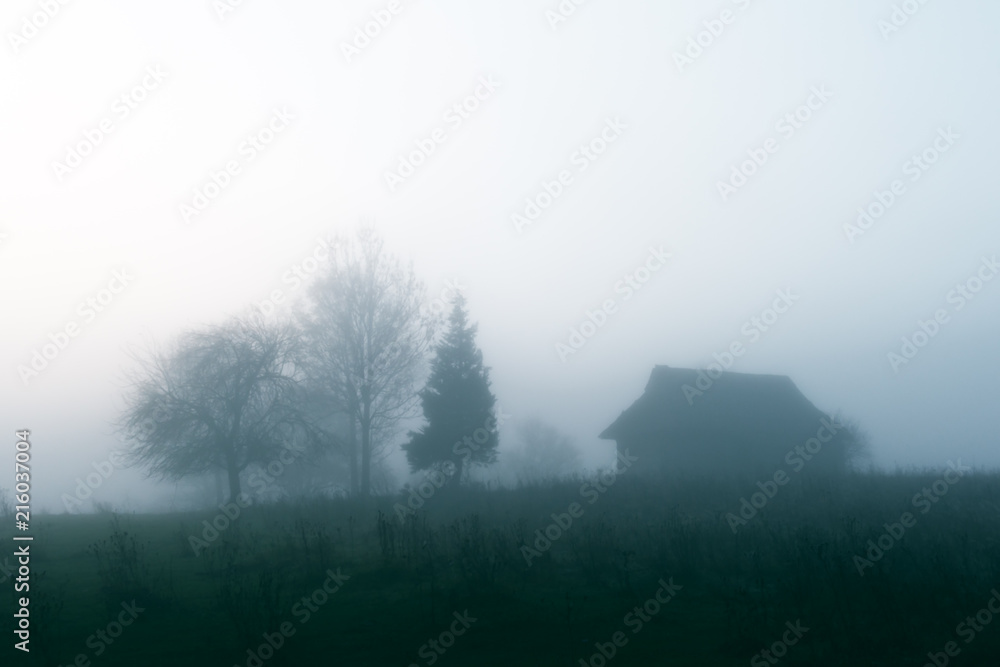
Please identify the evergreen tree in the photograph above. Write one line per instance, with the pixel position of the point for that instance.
(458, 405)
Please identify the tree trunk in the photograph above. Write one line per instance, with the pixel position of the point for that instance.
(366, 457)
(234, 478)
(352, 454)
(220, 487)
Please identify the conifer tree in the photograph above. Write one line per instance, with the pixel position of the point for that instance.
(457, 403)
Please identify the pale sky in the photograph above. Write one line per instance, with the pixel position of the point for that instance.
(197, 86)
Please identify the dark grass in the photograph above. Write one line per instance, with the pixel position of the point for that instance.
(460, 551)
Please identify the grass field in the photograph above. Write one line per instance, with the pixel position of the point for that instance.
(457, 572)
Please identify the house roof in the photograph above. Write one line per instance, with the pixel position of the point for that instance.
(763, 406)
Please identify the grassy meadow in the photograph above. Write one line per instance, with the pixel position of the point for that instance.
(468, 571)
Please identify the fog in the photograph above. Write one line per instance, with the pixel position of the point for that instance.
(898, 121)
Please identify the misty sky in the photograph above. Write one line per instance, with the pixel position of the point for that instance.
(186, 88)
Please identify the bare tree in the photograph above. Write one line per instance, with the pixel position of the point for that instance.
(367, 341)
(852, 445)
(6, 504)
(223, 398)
(544, 453)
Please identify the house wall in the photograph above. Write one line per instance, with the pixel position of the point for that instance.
(719, 455)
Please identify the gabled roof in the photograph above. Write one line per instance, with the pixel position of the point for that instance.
(757, 406)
